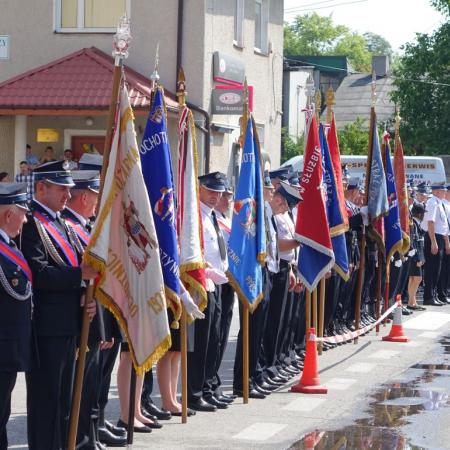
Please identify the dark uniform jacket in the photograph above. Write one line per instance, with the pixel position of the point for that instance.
(15, 317)
(103, 326)
(417, 240)
(56, 288)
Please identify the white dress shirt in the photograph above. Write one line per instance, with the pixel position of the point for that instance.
(212, 251)
(4, 236)
(435, 212)
(52, 213)
(286, 230)
(272, 258)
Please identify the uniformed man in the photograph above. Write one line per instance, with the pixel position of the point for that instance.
(444, 279)
(58, 280)
(436, 243)
(15, 299)
(283, 282)
(77, 214)
(202, 361)
(223, 210)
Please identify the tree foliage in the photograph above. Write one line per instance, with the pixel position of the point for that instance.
(354, 138)
(312, 34)
(422, 89)
(289, 146)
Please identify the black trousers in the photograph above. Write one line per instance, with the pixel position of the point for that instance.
(49, 389)
(256, 323)
(203, 357)
(444, 277)
(91, 382)
(7, 383)
(226, 315)
(432, 268)
(107, 359)
(147, 388)
(274, 327)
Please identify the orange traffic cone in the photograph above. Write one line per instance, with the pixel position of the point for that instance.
(309, 382)
(396, 334)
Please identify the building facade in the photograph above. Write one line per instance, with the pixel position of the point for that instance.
(189, 33)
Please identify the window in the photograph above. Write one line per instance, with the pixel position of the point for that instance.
(92, 16)
(261, 25)
(239, 23)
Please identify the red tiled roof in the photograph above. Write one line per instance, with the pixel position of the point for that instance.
(79, 81)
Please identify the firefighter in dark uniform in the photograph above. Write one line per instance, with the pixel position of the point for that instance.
(80, 208)
(57, 286)
(15, 299)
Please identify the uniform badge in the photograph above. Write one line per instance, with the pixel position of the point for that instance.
(14, 282)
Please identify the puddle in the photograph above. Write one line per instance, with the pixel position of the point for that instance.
(422, 388)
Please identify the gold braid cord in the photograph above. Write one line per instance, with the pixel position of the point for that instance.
(48, 244)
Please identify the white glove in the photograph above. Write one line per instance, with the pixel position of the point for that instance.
(398, 263)
(364, 210)
(412, 252)
(216, 275)
(190, 306)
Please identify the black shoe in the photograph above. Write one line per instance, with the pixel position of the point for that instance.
(262, 390)
(279, 379)
(154, 424)
(152, 409)
(438, 300)
(406, 311)
(291, 370)
(117, 431)
(224, 399)
(190, 412)
(432, 302)
(283, 373)
(253, 393)
(267, 386)
(110, 439)
(218, 404)
(272, 382)
(144, 429)
(202, 405)
(146, 414)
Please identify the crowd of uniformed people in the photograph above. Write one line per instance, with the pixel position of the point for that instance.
(43, 280)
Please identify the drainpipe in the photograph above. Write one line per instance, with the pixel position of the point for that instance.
(206, 129)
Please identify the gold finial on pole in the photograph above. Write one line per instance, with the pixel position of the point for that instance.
(155, 75)
(330, 101)
(181, 88)
(374, 89)
(244, 118)
(397, 119)
(309, 90)
(318, 103)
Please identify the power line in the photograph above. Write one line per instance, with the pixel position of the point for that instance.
(327, 7)
(435, 83)
(294, 8)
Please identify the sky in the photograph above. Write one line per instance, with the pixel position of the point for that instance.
(396, 20)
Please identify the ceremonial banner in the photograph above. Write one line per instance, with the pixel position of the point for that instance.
(392, 228)
(247, 244)
(402, 192)
(189, 224)
(316, 256)
(377, 202)
(333, 208)
(157, 170)
(335, 154)
(124, 249)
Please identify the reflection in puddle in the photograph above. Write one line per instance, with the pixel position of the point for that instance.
(389, 409)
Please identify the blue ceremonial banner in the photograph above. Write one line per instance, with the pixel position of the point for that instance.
(157, 171)
(392, 228)
(247, 244)
(377, 203)
(334, 214)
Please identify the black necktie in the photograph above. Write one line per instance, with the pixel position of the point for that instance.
(220, 240)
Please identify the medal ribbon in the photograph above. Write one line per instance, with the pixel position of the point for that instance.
(81, 232)
(58, 238)
(16, 258)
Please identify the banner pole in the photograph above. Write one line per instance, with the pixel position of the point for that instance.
(386, 290)
(245, 353)
(378, 302)
(183, 336)
(131, 404)
(362, 249)
(181, 94)
(314, 309)
(321, 313)
(308, 310)
(89, 298)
